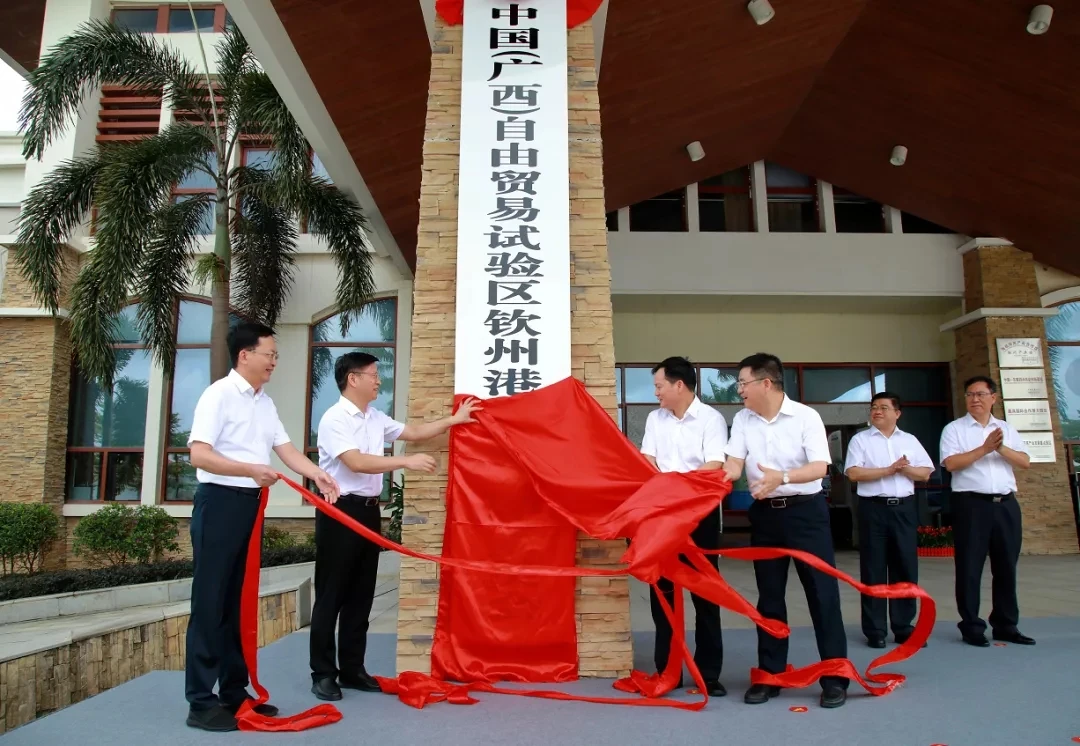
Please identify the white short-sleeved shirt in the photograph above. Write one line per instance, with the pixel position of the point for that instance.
(795, 437)
(238, 422)
(685, 444)
(872, 449)
(345, 427)
(992, 474)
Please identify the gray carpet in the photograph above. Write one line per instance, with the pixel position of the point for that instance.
(955, 695)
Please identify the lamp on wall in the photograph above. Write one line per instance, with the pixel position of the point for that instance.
(695, 151)
(1039, 20)
(899, 155)
(761, 10)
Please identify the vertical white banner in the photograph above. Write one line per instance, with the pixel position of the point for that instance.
(513, 255)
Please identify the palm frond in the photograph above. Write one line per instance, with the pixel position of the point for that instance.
(164, 273)
(49, 214)
(235, 61)
(94, 322)
(263, 111)
(100, 52)
(264, 259)
(337, 219)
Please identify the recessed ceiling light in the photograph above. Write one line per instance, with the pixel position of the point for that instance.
(1039, 20)
(761, 10)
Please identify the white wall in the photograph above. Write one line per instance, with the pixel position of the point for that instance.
(786, 263)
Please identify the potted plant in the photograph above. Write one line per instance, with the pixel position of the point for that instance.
(935, 542)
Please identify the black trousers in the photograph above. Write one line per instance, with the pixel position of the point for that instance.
(221, 525)
(888, 541)
(981, 527)
(346, 568)
(804, 526)
(708, 637)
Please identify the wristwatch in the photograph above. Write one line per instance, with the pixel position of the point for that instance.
(786, 479)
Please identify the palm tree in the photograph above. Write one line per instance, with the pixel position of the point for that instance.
(144, 240)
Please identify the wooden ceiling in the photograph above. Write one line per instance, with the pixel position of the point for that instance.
(20, 30)
(988, 112)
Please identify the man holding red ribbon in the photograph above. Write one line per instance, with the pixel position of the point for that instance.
(234, 428)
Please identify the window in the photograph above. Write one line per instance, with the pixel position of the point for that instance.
(612, 220)
(666, 213)
(191, 376)
(107, 428)
(855, 214)
(173, 18)
(793, 204)
(724, 202)
(1063, 337)
(374, 333)
(200, 182)
(913, 224)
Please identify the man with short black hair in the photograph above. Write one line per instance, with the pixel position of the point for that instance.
(685, 435)
(784, 449)
(981, 452)
(351, 441)
(233, 430)
(885, 462)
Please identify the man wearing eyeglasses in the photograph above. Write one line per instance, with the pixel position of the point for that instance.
(783, 447)
(885, 462)
(351, 441)
(981, 452)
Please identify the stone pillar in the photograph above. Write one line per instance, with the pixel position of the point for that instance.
(35, 381)
(602, 605)
(999, 279)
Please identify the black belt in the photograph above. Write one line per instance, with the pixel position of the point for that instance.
(245, 491)
(886, 499)
(364, 500)
(986, 496)
(787, 502)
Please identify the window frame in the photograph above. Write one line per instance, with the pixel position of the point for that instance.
(105, 451)
(811, 190)
(309, 450)
(164, 9)
(167, 448)
(1067, 444)
(746, 190)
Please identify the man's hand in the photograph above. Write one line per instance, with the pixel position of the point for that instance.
(264, 476)
(421, 462)
(327, 487)
(993, 441)
(898, 465)
(464, 413)
(770, 480)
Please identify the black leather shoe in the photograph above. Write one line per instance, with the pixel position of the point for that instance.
(875, 642)
(978, 640)
(1014, 637)
(901, 639)
(715, 688)
(359, 680)
(833, 696)
(263, 709)
(760, 694)
(326, 689)
(216, 719)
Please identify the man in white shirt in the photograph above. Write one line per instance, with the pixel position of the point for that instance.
(981, 452)
(351, 441)
(233, 431)
(784, 449)
(885, 462)
(685, 435)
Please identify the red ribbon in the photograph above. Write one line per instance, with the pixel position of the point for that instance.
(417, 689)
(577, 11)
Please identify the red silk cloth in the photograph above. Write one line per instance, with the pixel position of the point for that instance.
(577, 11)
(533, 471)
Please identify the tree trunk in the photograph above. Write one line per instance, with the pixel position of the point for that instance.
(220, 362)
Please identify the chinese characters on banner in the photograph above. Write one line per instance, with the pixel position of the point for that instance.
(513, 254)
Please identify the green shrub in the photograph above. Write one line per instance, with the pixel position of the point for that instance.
(118, 535)
(309, 540)
(397, 510)
(26, 532)
(277, 538)
(71, 581)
